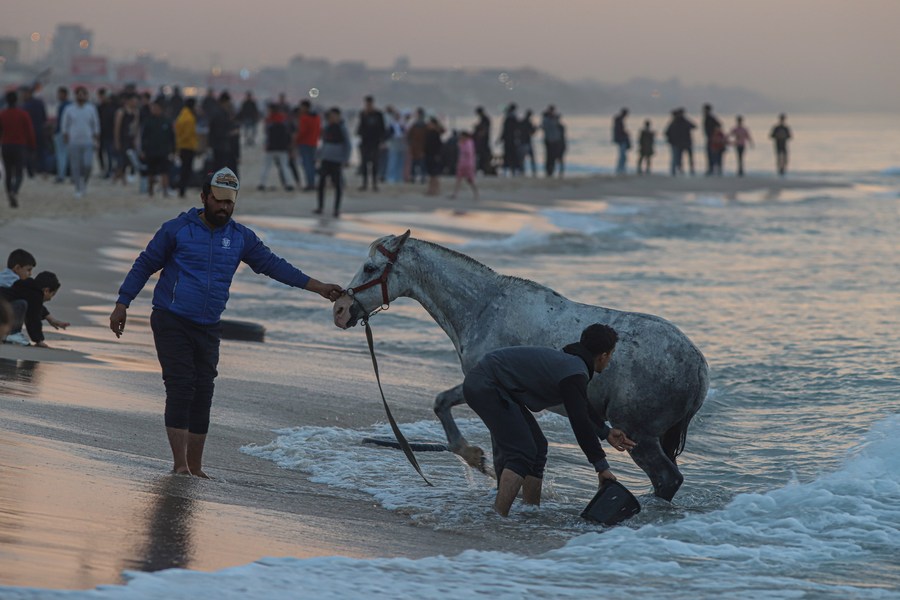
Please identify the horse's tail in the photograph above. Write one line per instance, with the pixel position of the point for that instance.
(673, 440)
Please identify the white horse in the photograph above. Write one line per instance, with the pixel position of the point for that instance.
(655, 384)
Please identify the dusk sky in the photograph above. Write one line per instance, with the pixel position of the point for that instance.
(787, 49)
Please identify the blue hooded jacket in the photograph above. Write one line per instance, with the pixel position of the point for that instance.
(198, 264)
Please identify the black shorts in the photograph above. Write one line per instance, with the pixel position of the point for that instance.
(157, 165)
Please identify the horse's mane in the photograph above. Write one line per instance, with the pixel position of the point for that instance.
(464, 258)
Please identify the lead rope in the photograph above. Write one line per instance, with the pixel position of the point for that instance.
(404, 445)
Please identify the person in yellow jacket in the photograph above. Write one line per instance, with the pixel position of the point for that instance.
(186, 143)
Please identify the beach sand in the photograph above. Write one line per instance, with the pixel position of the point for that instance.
(84, 484)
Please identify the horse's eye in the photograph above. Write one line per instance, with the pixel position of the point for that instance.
(370, 268)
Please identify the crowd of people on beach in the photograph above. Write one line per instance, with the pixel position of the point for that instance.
(679, 137)
(169, 142)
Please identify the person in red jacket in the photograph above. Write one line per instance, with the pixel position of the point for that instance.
(309, 129)
(17, 139)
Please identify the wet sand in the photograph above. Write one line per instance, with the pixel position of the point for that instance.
(84, 486)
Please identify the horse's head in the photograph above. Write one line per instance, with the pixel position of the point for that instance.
(372, 287)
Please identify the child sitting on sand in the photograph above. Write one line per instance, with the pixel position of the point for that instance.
(465, 164)
(19, 265)
(34, 292)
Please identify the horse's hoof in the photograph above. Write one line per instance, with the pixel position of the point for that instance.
(475, 458)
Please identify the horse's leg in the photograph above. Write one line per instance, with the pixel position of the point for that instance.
(457, 444)
(663, 474)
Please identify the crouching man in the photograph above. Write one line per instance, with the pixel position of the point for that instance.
(508, 384)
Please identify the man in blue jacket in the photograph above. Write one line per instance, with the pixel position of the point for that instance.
(199, 252)
(508, 384)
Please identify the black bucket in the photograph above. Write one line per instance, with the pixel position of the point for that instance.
(612, 504)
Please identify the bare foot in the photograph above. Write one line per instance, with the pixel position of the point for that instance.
(184, 471)
(199, 473)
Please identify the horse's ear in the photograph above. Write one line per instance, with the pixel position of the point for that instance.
(403, 238)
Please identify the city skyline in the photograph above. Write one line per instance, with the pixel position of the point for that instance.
(802, 51)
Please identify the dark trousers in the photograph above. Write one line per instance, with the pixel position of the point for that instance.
(187, 170)
(517, 441)
(13, 164)
(308, 161)
(739, 150)
(188, 354)
(19, 309)
(369, 162)
(553, 152)
(333, 171)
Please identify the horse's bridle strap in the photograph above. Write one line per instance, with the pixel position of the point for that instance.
(391, 256)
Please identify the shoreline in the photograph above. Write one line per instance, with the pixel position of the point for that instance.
(84, 456)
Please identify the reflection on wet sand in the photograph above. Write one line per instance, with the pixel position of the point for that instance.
(170, 516)
(19, 377)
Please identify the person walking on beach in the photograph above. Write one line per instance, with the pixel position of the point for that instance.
(371, 132)
(622, 140)
(718, 143)
(186, 143)
(415, 143)
(334, 155)
(309, 129)
(740, 137)
(780, 134)
(278, 145)
(646, 143)
(433, 153)
(157, 146)
(125, 137)
(81, 134)
(59, 144)
(509, 384)
(710, 122)
(106, 110)
(509, 137)
(679, 135)
(553, 139)
(248, 116)
(465, 163)
(35, 162)
(482, 136)
(396, 146)
(198, 253)
(17, 139)
(526, 147)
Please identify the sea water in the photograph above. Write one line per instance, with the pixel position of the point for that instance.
(792, 467)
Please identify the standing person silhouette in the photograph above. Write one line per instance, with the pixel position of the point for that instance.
(741, 137)
(646, 143)
(622, 140)
(554, 142)
(482, 135)
(781, 133)
(371, 132)
(710, 123)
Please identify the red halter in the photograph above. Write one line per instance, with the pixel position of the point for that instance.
(392, 257)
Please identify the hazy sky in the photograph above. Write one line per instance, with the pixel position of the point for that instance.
(845, 50)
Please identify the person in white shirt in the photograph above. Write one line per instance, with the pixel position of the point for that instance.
(81, 133)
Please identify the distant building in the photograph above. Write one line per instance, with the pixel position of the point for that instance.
(69, 41)
(9, 49)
